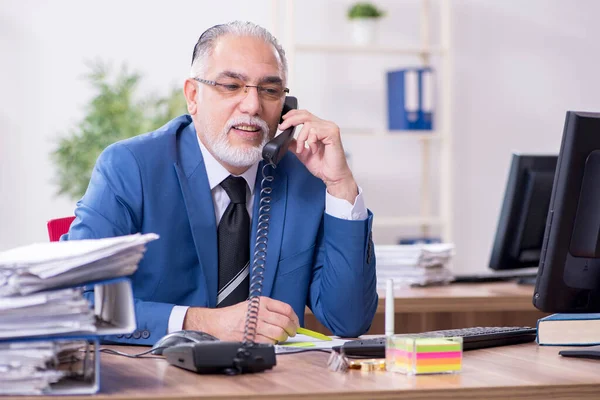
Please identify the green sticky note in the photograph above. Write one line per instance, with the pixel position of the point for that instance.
(313, 334)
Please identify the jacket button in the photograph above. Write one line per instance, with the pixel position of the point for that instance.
(137, 335)
(128, 336)
(145, 334)
(120, 335)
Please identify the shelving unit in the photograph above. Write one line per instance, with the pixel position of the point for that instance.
(426, 218)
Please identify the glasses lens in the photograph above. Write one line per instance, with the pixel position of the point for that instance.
(230, 87)
(271, 92)
(235, 87)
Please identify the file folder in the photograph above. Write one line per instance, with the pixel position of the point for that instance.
(115, 314)
(410, 99)
(58, 298)
(82, 371)
(113, 309)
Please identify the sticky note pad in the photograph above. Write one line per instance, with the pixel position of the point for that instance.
(412, 355)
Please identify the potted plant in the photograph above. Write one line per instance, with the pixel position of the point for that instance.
(364, 17)
(116, 112)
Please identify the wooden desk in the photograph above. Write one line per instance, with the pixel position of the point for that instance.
(454, 306)
(523, 371)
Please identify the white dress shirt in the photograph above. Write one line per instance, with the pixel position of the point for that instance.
(216, 173)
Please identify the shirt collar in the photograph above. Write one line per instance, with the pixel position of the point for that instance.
(217, 173)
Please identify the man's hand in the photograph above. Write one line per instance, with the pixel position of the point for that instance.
(324, 156)
(276, 321)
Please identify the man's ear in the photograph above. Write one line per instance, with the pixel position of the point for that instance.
(190, 90)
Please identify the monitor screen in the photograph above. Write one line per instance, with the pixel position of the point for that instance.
(568, 278)
(520, 229)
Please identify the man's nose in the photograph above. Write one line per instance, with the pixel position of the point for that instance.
(250, 103)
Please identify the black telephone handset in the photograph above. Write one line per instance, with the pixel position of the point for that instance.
(274, 151)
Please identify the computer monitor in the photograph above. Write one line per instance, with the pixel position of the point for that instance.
(568, 278)
(520, 228)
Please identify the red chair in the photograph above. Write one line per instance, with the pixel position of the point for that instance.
(58, 227)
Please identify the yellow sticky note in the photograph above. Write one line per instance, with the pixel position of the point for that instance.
(313, 334)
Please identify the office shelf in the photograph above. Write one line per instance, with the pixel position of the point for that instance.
(441, 137)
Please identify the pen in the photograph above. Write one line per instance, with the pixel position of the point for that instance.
(389, 307)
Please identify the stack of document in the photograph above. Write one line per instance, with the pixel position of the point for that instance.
(39, 293)
(414, 265)
(45, 313)
(44, 266)
(30, 368)
(46, 322)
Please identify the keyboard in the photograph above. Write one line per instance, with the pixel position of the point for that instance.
(473, 339)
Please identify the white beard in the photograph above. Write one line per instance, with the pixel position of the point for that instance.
(236, 156)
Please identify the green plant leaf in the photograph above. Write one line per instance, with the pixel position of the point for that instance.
(364, 10)
(114, 113)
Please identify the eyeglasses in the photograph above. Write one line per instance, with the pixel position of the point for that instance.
(231, 87)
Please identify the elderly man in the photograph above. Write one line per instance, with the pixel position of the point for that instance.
(196, 182)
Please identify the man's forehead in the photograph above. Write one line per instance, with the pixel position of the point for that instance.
(245, 55)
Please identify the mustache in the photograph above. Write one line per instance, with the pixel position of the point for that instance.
(247, 120)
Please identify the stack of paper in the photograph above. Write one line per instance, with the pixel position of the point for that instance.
(45, 313)
(414, 265)
(51, 265)
(29, 308)
(45, 319)
(32, 367)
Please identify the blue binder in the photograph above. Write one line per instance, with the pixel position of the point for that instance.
(116, 316)
(410, 99)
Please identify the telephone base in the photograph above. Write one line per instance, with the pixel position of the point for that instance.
(221, 357)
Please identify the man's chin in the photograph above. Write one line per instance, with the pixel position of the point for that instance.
(245, 144)
(242, 156)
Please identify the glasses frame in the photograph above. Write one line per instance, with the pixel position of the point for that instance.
(258, 87)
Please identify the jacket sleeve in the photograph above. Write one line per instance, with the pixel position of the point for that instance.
(343, 293)
(113, 206)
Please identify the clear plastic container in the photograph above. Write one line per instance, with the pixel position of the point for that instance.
(416, 355)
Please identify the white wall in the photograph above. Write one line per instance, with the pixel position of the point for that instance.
(518, 66)
(43, 47)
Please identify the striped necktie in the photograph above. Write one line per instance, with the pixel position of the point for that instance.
(234, 245)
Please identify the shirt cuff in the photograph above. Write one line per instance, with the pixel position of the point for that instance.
(342, 209)
(176, 318)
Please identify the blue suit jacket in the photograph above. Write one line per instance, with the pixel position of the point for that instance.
(157, 182)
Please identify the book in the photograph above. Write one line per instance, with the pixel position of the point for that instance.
(569, 330)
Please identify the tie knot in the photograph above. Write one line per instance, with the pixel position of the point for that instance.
(235, 187)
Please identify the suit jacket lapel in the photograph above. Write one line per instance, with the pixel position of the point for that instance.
(200, 209)
(277, 220)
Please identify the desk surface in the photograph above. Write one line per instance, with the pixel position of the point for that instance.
(524, 371)
(497, 296)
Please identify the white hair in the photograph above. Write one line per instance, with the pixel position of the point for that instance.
(207, 41)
